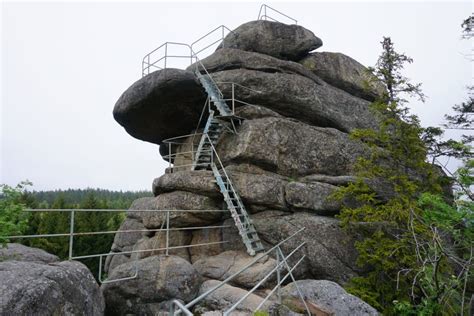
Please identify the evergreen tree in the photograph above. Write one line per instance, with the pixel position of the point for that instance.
(408, 267)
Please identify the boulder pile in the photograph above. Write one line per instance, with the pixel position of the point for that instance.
(290, 153)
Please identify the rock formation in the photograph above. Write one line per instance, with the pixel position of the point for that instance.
(291, 151)
(34, 282)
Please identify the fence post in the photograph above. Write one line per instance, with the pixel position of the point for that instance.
(167, 230)
(71, 234)
(278, 277)
(233, 98)
(169, 157)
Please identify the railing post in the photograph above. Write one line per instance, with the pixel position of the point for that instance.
(169, 157)
(167, 230)
(71, 234)
(265, 11)
(166, 53)
(278, 277)
(148, 66)
(223, 45)
(233, 98)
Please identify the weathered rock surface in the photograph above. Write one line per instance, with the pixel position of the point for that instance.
(228, 59)
(345, 73)
(125, 240)
(299, 97)
(330, 252)
(177, 238)
(262, 190)
(226, 296)
(330, 296)
(163, 104)
(312, 197)
(57, 288)
(144, 203)
(227, 263)
(20, 252)
(115, 259)
(272, 38)
(290, 148)
(204, 236)
(159, 279)
(179, 201)
(201, 182)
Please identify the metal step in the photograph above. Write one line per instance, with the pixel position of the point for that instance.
(239, 214)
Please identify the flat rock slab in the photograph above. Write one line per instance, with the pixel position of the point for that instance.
(331, 296)
(163, 104)
(273, 38)
(229, 58)
(227, 263)
(182, 201)
(59, 288)
(290, 148)
(345, 73)
(299, 97)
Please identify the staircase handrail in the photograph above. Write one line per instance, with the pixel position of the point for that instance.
(265, 15)
(229, 182)
(223, 28)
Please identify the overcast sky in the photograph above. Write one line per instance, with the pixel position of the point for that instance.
(64, 65)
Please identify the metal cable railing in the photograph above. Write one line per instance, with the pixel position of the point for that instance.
(165, 228)
(282, 260)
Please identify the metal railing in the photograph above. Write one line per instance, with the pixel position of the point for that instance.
(266, 11)
(164, 228)
(280, 265)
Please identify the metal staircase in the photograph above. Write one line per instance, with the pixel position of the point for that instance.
(204, 160)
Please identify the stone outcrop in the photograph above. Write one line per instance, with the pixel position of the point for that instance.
(41, 285)
(289, 153)
(272, 38)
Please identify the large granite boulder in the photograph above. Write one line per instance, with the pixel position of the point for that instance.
(227, 263)
(159, 279)
(163, 104)
(20, 252)
(273, 38)
(345, 73)
(298, 97)
(290, 148)
(180, 201)
(54, 288)
(330, 252)
(330, 296)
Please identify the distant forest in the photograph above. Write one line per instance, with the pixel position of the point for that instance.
(74, 198)
(58, 222)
